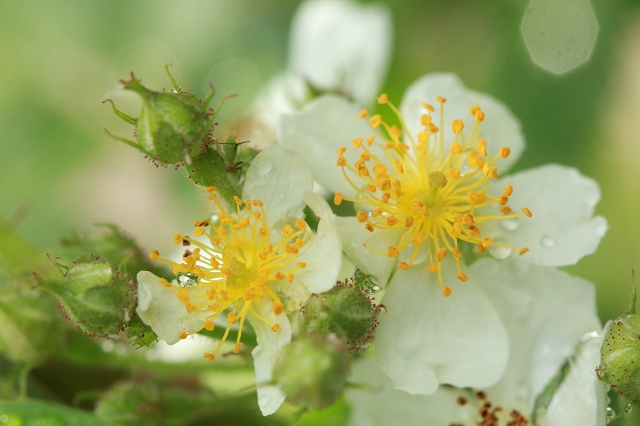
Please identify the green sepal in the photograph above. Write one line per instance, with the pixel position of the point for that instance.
(94, 296)
(211, 170)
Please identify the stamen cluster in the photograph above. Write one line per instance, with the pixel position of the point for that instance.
(436, 195)
(232, 270)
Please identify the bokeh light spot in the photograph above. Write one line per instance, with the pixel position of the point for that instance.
(559, 34)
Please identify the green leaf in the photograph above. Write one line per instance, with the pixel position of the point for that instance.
(39, 413)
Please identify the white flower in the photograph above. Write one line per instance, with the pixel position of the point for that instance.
(428, 194)
(258, 262)
(334, 45)
(547, 315)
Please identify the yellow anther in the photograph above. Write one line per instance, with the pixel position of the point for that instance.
(417, 239)
(287, 230)
(403, 265)
(301, 265)
(357, 143)
(247, 205)
(469, 220)
(177, 238)
(290, 277)
(232, 317)
(370, 140)
(474, 231)
(341, 151)
(482, 147)
(392, 220)
(392, 251)
(456, 253)
(440, 99)
(341, 162)
(363, 171)
(275, 327)
(523, 250)
(237, 200)
(476, 198)
(480, 116)
(337, 199)
(486, 169)
(453, 172)
(432, 268)
(209, 325)
(457, 126)
(375, 121)
(164, 282)
(486, 241)
(183, 335)
(257, 203)
(182, 294)
(279, 275)
(462, 277)
(368, 227)
(383, 99)
(236, 349)
(154, 255)
(446, 291)
(428, 107)
(199, 231)
(441, 254)
(209, 356)
(211, 189)
(474, 109)
(300, 224)
(362, 217)
(456, 148)
(363, 113)
(455, 231)
(408, 221)
(508, 190)
(505, 151)
(527, 212)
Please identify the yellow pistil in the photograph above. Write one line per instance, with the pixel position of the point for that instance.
(236, 269)
(437, 195)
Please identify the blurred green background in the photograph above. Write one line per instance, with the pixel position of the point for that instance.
(60, 59)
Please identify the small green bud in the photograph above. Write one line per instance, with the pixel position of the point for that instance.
(94, 296)
(620, 361)
(173, 127)
(346, 311)
(312, 370)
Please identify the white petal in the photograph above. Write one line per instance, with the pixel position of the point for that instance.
(270, 397)
(278, 178)
(562, 229)
(318, 131)
(545, 311)
(581, 399)
(159, 308)
(323, 256)
(425, 339)
(341, 45)
(379, 404)
(500, 127)
(354, 237)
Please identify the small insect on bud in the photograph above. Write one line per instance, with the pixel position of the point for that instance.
(620, 353)
(173, 127)
(312, 371)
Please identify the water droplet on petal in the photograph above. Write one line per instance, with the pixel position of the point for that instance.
(187, 279)
(547, 241)
(263, 400)
(510, 224)
(499, 252)
(262, 165)
(610, 414)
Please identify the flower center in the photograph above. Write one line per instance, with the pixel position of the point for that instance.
(232, 272)
(435, 197)
(488, 414)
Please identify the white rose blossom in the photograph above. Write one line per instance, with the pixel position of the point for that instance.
(428, 194)
(334, 45)
(547, 315)
(258, 262)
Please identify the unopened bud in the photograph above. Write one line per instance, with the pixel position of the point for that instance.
(346, 311)
(312, 371)
(620, 361)
(94, 296)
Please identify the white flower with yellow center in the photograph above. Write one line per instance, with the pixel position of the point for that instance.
(257, 262)
(430, 197)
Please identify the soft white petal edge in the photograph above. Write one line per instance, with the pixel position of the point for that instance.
(270, 397)
(317, 132)
(425, 339)
(562, 229)
(341, 45)
(500, 127)
(278, 178)
(581, 399)
(159, 308)
(323, 257)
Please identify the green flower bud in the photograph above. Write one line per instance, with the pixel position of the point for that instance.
(346, 311)
(94, 296)
(620, 361)
(173, 127)
(312, 370)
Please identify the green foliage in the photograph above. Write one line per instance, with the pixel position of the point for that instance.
(38, 413)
